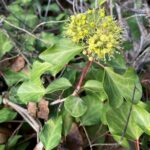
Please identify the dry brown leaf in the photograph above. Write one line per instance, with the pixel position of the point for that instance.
(3, 138)
(32, 109)
(43, 109)
(4, 135)
(25, 70)
(18, 64)
(74, 140)
(60, 147)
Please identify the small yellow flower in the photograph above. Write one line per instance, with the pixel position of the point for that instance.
(83, 17)
(102, 12)
(89, 11)
(109, 45)
(79, 29)
(104, 24)
(101, 55)
(81, 34)
(109, 19)
(83, 22)
(91, 40)
(86, 31)
(92, 24)
(99, 43)
(103, 38)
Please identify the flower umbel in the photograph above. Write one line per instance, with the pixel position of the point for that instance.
(77, 28)
(100, 33)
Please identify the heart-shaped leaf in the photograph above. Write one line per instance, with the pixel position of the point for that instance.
(96, 87)
(117, 119)
(92, 115)
(30, 92)
(38, 69)
(59, 84)
(7, 115)
(51, 133)
(5, 43)
(60, 54)
(75, 106)
(119, 86)
(142, 118)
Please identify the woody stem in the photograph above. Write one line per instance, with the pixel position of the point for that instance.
(83, 75)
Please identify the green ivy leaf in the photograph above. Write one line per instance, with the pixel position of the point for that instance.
(24, 2)
(7, 115)
(119, 86)
(5, 43)
(59, 84)
(118, 63)
(105, 108)
(30, 92)
(92, 115)
(117, 118)
(60, 54)
(38, 69)
(23, 146)
(93, 85)
(134, 28)
(114, 96)
(96, 87)
(142, 118)
(124, 142)
(145, 105)
(12, 141)
(51, 133)
(29, 42)
(28, 17)
(12, 77)
(70, 75)
(15, 8)
(2, 147)
(75, 106)
(54, 7)
(67, 122)
(48, 38)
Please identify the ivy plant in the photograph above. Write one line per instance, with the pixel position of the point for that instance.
(81, 74)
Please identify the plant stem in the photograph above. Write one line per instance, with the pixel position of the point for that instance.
(24, 113)
(83, 74)
(78, 86)
(87, 136)
(137, 144)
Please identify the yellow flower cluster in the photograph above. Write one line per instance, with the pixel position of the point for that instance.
(106, 38)
(100, 33)
(77, 28)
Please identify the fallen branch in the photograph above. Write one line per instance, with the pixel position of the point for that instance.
(24, 113)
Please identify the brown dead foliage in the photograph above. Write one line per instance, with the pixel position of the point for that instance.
(18, 64)
(43, 110)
